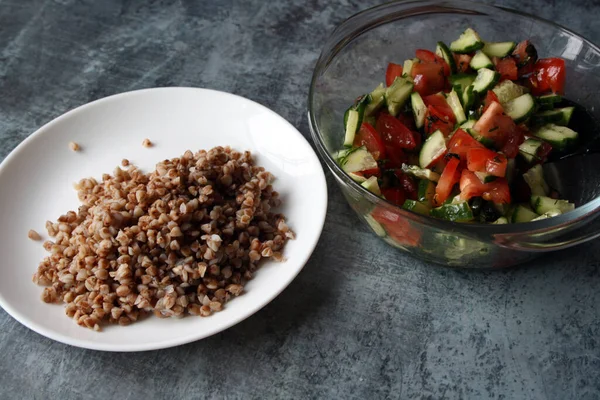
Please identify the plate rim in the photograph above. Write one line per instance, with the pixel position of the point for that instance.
(178, 341)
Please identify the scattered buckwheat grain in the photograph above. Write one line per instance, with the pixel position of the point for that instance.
(147, 143)
(74, 146)
(33, 235)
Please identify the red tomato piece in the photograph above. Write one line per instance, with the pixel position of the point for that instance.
(367, 136)
(428, 78)
(394, 133)
(494, 124)
(441, 105)
(497, 191)
(485, 160)
(393, 71)
(431, 57)
(477, 159)
(394, 195)
(408, 184)
(543, 152)
(450, 176)
(367, 173)
(549, 74)
(514, 138)
(395, 157)
(398, 228)
(435, 120)
(490, 97)
(507, 67)
(463, 62)
(461, 142)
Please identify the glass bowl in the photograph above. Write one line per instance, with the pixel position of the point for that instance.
(353, 62)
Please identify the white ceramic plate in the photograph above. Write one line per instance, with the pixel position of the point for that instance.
(36, 182)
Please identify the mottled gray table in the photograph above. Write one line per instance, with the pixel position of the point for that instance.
(351, 325)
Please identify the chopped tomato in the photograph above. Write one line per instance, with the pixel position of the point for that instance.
(494, 125)
(367, 136)
(548, 75)
(394, 195)
(507, 67)
(435, 120)
(395, 157)
(450, 176)
(441, 105)
(462, 62)
(398, 228)
(485, 160)
(429, 56)
(393, 71)
(428, 77)
(543, 151)
(490, 97)
(525, 56)
(471, 186)
(408, 120)
(461, 142)
(408, 184)
(367, 173)
(514, 138)
(394, 133)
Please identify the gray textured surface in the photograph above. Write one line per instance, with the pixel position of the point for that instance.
(351, 325)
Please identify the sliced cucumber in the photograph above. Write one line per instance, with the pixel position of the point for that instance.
(356, 177)
(421, 173)
(460, 212)
(353, 118)
(548, 101)
(377, 100)
(485, 80)
(417, 207)
(480, 60)
(419, 109)
(522, 214)
(535, 179)
(469, 98)
(501, 221)
(484, 177)
(407, 67)
(529, 149)
(356, 159)
(426, 191)
(443, 51)
(454, 103)
(508, 90)
(433, 148)
(560, 116)
(468, 124)
(397, 94)
(521, 108)
(460, 82)
(376, 226)
(487, 142)
(560, 137)
(468, 42)
(499, 49)
(543, 204)
(546, 215)
(372, 185)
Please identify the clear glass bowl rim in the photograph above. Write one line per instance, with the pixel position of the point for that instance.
(399, 10)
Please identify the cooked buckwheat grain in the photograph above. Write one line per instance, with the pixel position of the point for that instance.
(182, 239)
